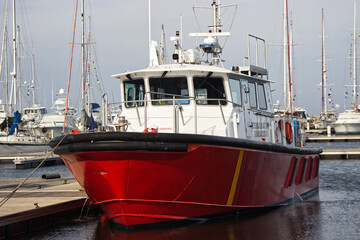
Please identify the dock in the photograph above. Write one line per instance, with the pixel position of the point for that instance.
(32, 162)
(39, 203)
(340, 154)
(333, 138)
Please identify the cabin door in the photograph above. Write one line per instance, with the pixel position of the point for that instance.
(247, 112)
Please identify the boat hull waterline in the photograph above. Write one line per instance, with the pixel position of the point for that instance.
(139, 179)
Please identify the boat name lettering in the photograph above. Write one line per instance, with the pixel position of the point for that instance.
(257, 125)
(261, 133)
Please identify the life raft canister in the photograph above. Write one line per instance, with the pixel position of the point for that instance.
(289, 133)
(150, 130)
(74, 131)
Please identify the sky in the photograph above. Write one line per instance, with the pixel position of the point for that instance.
(119, 31)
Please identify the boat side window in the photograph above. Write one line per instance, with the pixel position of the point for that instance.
(235, 91)
(209, 91)
(164, 90)
(252, 95)
(134, 92)
(262, 97)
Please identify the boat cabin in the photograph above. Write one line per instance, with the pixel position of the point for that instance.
(198, 99)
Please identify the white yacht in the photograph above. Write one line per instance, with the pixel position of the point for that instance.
(51, 125)
(348, 122)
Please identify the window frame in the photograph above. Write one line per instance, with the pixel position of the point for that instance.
(137, 102)
(223, 101)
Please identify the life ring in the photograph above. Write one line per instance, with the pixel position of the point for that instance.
(150, 130)
(289, 133)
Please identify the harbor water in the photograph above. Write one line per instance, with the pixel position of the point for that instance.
(332, 214)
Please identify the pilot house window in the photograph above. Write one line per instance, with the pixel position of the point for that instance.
(252, 95)
(261, 96)
(209, 91)
(235, 91)
(164, 90)
(134, 92)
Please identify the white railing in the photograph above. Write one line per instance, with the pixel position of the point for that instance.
(178, 108)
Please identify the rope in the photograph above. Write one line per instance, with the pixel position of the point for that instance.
(71, 59)
(5, 199)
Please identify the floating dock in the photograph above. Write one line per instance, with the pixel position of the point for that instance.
(38, 204)
(32, 162)
(340, 154)
(333, 138)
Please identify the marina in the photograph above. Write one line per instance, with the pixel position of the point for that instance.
(210, 132)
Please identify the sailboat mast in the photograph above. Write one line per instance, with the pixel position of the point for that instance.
(291, 59)
(33, 79)
(288, 57)
(284, 59)
(323, 72)
(13, 73)
(82, 56)
(19, 72)
(88, 69)
(355, 61)
(4, 50)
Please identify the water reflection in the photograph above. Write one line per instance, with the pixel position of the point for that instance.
(294, 222)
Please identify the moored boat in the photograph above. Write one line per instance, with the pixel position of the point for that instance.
(348, 122)
(193, 141)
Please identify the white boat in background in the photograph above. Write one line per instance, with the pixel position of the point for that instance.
(51, 125)
(348, 122)
(16, 141)
(33, 113)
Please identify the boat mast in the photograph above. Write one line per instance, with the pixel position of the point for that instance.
(288, 58)
(83, 112)
(163, 46)
(88, 55)
(19, 72)
(355, 62)
(150, 60)
(215, 8)
(291, 61)
(13, 73)
(323, 79)
(284, 59)
(33, 79)
(4, 49)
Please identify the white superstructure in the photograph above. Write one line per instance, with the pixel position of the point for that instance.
(188, 97)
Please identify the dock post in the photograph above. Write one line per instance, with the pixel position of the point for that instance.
(329, 130)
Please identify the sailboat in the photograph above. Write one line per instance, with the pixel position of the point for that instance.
(17, 142)
(51, 124)
(348, 122)
(194, 140)
(327, 117)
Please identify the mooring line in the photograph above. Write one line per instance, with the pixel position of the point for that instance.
(5, 199)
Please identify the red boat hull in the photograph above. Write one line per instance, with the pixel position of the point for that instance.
(145, 187)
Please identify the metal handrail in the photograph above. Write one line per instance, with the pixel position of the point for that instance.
(177, 107)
